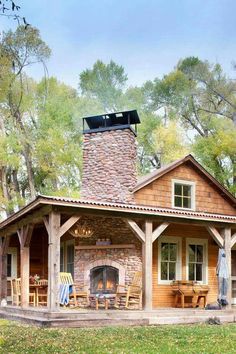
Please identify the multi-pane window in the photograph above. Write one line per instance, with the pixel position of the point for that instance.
(183, 194)
(70, 259)
(9, 265)
(62, 258)
(67, 257)
(168, 261)
(196, 260)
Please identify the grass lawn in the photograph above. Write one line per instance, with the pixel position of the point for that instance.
(18, 338)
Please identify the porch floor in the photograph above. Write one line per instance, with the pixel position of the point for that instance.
(100, 318)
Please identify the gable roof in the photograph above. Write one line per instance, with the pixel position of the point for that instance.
(144, 181)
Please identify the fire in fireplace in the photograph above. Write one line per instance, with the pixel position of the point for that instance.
(103, 280)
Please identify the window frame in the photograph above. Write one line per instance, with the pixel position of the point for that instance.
(64, 245)
(178, 241)
(13, 252)
(193, 193)
(201, 242)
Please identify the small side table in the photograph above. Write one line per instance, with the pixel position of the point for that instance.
(99, 301)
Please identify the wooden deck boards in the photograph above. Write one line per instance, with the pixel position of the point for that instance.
(101, 318)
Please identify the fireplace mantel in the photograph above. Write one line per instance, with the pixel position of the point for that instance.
(99, 247)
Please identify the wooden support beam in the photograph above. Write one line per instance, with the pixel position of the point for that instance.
(24, 274)
(233, 240)
(135, 229)
(53, 260)
(147, 266)
(68, 224)
(46, 223)
(31, 219)
(25, 234)
(216, 236)
(227, 246)
(159, 230)
(63, 228)
(4, 244)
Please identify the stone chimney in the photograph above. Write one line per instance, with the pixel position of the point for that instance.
(109, 157)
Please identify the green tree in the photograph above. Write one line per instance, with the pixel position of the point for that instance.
(202, 97)
(104, 82)
(18, 50)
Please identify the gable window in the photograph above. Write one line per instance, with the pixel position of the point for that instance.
(183, 194)
(196, 260)
(169, 259)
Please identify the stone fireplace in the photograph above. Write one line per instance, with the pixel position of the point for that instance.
(103, 280)
(123, 254)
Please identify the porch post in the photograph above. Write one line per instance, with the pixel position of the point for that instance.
(227, 247)
(147, 265)
(24, 235)
(53, 260)
(3, 267)
(25, 273)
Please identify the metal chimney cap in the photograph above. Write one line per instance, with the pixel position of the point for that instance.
(110, 121)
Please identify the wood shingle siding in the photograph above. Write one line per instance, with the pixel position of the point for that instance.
(159, 192)
(162, 294)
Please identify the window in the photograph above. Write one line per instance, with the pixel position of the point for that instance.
(70, 259)
(11, 263)
(183, 194)
(67, 257)
(196, 260)
(169, 259)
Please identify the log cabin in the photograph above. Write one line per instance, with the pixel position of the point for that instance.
(169, 224)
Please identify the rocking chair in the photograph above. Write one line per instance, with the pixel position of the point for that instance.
(77, 292)
(130, 296)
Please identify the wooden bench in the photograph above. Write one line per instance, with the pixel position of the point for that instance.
(189, 293)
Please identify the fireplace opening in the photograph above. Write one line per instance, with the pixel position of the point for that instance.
(103, 280)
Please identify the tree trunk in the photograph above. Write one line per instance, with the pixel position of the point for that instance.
(27, 155)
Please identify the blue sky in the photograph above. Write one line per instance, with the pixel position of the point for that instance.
(146, 37)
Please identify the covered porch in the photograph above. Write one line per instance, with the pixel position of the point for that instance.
(138, 239)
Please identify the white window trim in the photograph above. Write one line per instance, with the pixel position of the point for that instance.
(178, 241)
(204, 243)
(193, 193)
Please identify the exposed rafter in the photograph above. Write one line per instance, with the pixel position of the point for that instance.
(30, 219)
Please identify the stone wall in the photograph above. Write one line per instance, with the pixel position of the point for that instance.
(109, 166)
(127, 260)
